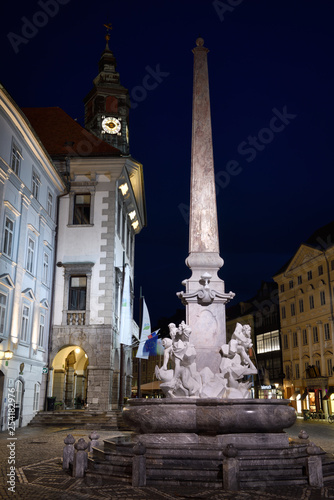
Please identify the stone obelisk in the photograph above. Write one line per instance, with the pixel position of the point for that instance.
(205, 296)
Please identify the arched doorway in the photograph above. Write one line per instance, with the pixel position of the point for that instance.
(70, 378)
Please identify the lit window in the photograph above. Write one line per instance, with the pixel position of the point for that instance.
(35, 185)
(267, 342)
(77, 293)
(16, 159)
(25, 324)
(3, 306)
(30, 255)
(81, 214)
(8, 237)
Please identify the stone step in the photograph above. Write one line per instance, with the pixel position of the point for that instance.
(79, 418)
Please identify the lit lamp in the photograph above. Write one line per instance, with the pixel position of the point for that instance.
(6, 355)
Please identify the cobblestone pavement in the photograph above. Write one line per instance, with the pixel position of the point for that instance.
(39, 474)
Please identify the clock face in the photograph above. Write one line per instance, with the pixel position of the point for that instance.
(111, 125)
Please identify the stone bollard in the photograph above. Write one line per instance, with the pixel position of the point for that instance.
(68, 452)
(93, 436)
(314, 466)
(80, 463)
(139, 465)
(230, 469)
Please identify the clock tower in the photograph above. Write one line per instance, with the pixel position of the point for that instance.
(107, 104)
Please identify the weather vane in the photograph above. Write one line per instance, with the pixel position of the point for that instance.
(109, 27)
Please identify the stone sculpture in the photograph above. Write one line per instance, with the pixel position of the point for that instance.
(184, 380)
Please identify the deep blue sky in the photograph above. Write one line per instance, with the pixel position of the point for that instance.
(264, 55)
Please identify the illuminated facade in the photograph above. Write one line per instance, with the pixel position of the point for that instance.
(29, 188)
(305, 287)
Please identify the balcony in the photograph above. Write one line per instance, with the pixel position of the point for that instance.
(76, 318)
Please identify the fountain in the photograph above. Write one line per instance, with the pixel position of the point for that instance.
(207, 431)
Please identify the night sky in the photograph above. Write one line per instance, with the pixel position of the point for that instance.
(271, 85)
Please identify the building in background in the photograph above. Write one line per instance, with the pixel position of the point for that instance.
(29, 188)
(99, 216)
(305, 286)
(261, 313)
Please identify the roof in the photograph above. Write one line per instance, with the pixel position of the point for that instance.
(63, 136)
(321, 239)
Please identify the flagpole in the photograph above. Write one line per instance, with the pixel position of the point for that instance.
(121, 364)
(140, 329)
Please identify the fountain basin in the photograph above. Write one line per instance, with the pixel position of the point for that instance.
(208, 416)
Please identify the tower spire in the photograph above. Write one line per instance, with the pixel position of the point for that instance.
(107, 36)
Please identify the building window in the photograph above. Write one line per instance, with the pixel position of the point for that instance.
(77, 293)
(297, 370)
(16, 159)
(285, 342)
(283, 312)
(3, 307)
(295, 339)
(36, 397)
(41, 330)
(50, 204)
(282, 288)
(25, 324)
(288, 372)
(315, 334)
(305, 342)
(300, 280)
(329, 367)
(322, 298)
(267, 342)
(8, 237)
(35, 185)
(293, 310)
(45, 268)
(309, 275)
(327, 334)
(291, 284)
(311, 300)
(320, 270)
(317, 364)
(81, 213)
(301, 305)
(30, 255)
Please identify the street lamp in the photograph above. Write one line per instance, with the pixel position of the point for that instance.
(6, 355)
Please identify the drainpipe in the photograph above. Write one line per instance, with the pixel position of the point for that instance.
(67, 190)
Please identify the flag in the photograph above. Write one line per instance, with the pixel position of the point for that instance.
(145, 332)
(126, 319)
(151, 344)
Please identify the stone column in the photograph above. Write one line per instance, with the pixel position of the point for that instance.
(205, 296)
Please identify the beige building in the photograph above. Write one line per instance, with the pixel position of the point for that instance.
(305, 286)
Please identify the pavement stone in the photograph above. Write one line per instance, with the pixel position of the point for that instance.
(39, 474)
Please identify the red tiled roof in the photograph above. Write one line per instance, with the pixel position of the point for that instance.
(63, 136)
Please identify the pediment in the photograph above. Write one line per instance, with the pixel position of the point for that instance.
(7, 281)
(45, 304)
(304, 254)
(29, 294)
